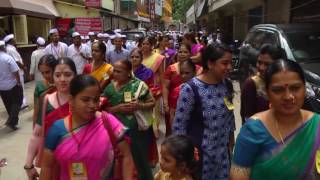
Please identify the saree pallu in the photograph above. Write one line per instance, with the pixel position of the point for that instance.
(153, 62)
(295, 159)
(102, 73)
(48, 118)
(146, 74)
(95, 150)
(195, 49)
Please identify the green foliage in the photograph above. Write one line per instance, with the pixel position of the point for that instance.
(180, 7)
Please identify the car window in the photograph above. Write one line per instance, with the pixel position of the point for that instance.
(305, 45)
(261, 37)
(133, 35)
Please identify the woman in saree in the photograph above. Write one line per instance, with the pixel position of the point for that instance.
(82, 143)
(45, 66)
(172, 82)
(53, 107)
(253, 94)
(145, 74)
(189, 38)
(155, 62)
(282, 142)
(99, 68)
(142, 72)
(122, 103)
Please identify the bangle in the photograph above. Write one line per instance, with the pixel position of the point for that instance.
(28, 167)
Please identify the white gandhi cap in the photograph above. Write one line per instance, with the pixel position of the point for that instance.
(41, 41)
(8, 37)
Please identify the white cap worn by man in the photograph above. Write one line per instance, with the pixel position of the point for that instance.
(56, 48)
(79, 52)
(35, 58)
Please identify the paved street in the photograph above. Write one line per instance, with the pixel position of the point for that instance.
(13, 145)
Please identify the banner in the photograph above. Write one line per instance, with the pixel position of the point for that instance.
(67, 26)
(92, 3)
(64, 25)
(85, 25)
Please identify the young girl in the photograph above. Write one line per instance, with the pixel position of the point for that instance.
(177, 159)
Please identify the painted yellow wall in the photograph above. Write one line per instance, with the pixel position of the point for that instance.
(74, 11)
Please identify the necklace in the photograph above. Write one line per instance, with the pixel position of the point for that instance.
(278, 129)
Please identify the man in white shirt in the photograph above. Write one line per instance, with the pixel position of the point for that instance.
(12, 51)
(92, 39)
(78, 52)
(10, 87)
(56, 48)
(35, 74)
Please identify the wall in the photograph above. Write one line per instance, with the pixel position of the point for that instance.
(74, 11)
(107, 4)
(278, 12)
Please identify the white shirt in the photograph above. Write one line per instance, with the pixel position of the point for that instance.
(74, 54)
(57, 51)
(12, 51)
(8, 66)
(110, 46)
(35, 58)
(89, 44)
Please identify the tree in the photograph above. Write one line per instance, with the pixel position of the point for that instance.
(180, 7)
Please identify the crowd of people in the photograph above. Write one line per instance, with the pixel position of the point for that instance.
(98, 104)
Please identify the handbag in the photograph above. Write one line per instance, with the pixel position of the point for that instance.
(144, 117)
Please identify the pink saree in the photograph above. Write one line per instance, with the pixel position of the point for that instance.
(95, 150)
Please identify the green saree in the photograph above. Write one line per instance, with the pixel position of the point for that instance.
(295, 159)
(139, 139)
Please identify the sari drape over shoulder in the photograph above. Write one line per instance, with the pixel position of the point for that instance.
(146, 74)
(154, 61)
(268, 159)
(102, 73)
(95, 150)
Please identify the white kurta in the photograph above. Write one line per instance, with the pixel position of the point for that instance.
(35, 58)
(57, 51)
(74, 54)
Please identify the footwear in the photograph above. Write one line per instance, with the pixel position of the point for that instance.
(24, 107)
(13, 127)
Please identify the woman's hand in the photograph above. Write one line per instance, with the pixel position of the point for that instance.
(124, 108)
(32, 173)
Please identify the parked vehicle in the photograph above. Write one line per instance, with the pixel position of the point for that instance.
(301, 43)
(135, 34)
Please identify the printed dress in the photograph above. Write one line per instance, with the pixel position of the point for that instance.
(218, 124)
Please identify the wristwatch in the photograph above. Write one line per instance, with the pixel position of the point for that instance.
(26, 167)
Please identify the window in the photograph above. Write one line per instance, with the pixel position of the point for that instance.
(37, 27)
(259, 37)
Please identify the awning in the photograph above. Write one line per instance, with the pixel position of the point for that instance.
(201, 8)
(35, 8)
(216, 4)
